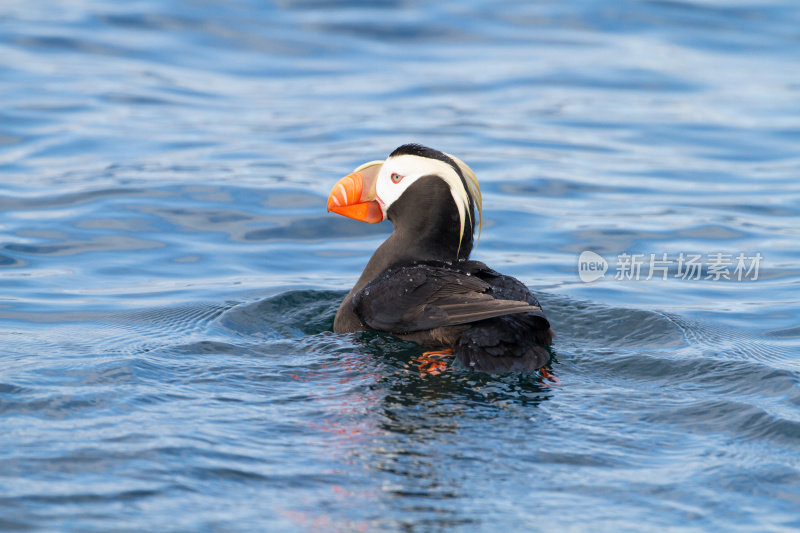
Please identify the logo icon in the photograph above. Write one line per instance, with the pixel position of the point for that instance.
(591, 266)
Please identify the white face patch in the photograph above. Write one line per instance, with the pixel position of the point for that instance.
(398, 173)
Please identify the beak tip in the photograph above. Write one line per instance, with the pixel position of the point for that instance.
(350, 199)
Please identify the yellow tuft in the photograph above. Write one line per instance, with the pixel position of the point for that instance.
(474, 192)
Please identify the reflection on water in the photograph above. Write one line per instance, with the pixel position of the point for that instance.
(169, 276)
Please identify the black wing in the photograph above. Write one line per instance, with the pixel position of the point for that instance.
(505, 287)
(511, 343)
(426, 296)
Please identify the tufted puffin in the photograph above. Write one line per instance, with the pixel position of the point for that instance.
(420, 284)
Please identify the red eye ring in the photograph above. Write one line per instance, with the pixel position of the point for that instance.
(396, 178)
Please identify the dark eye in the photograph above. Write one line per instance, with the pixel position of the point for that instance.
(396, 177)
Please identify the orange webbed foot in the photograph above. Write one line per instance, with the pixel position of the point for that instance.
(545, 374)
(432, 363)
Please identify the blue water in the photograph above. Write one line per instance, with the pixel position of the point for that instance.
(169, 275)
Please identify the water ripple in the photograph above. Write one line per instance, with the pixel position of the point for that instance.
(169, 275)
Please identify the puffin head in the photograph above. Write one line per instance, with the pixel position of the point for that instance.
(422, 191)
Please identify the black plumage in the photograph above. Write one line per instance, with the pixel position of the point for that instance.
(420, 285)
(493, 322)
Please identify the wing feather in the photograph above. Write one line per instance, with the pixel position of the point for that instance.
(422, 297)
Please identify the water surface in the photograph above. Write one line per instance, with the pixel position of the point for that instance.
(169, 276)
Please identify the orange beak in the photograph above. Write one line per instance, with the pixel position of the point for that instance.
(354, 195)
